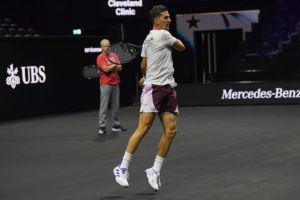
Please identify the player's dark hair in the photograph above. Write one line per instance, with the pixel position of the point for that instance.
(156, 11)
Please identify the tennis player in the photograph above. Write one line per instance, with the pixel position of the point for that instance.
(158, 96)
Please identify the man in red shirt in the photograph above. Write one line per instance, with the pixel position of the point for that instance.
(109, 87)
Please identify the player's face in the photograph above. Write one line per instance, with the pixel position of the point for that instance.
(164, 20)
(105, 47)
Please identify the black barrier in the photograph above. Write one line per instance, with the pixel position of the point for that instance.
(44, 75)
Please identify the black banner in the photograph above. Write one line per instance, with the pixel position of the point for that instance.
(44, 75)
(272, 92)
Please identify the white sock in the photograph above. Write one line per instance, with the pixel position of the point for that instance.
(158, 162)
(126, 160)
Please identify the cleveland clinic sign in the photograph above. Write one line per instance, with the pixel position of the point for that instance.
(125, 8)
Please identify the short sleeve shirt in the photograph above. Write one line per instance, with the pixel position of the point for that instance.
(157, 48)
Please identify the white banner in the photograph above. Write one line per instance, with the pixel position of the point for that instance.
(188, 23)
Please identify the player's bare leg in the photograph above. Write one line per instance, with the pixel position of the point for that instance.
(121, 172)
(145, 123)
(168, 121)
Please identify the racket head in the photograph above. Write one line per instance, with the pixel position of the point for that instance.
(90, 72)
(126, 52)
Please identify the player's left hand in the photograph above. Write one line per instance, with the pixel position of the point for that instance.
(141, 82)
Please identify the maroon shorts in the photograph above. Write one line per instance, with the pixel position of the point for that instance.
(159, 99)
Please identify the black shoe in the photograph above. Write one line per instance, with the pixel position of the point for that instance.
(102, 130)
(118, 128)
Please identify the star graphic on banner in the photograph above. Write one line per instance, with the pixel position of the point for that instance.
(193, 22)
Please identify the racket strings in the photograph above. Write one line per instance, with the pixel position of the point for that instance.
(90, 72)
(125, 52)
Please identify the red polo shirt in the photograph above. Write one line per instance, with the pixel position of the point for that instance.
(111, 78)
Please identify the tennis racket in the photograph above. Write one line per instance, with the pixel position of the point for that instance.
(90, 72)
(125, 52)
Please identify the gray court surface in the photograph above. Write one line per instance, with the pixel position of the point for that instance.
(232, 153)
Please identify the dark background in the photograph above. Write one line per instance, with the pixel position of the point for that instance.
(53, 17)
(56, 47)
(64, 89)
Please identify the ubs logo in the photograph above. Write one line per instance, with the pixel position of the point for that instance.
(29, 75)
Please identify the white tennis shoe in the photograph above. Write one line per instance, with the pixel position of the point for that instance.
(153, 179)
(121, 176)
